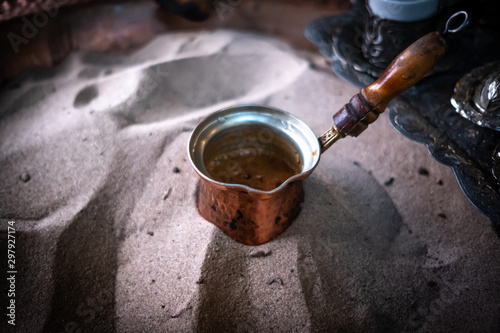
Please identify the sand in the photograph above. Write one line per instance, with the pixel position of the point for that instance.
(95, 175)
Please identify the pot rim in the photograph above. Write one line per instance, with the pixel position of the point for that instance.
(296, 127)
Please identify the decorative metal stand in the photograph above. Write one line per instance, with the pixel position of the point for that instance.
(424, 113)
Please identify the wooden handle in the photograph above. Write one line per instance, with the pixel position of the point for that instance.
(409, 67)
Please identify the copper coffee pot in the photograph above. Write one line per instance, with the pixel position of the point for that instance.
(252, 158)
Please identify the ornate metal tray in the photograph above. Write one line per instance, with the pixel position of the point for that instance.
(424, 112)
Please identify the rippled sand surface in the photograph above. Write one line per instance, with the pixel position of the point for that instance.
(94, 171)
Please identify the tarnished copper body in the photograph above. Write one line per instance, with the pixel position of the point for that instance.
(252, 214)
(250, 218)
